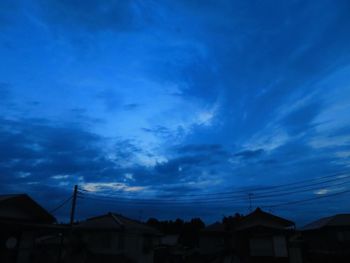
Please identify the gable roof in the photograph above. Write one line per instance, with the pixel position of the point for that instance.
(336, 220)
(113, 221)
(262, 218)
(21, 207)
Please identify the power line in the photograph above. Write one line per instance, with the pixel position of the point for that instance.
(300, 190)
(258, 191)
(61, 205)
(307, 200)
(181, 203)
(263, 190)
(185, 199)
(226, 199)
(156, 202)
(316, 183)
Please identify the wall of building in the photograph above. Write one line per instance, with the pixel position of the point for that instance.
(211, 243)
(139, 247)
(25, 247)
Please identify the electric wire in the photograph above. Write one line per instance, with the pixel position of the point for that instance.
(242, 192)
(61, 205)
(222, 198)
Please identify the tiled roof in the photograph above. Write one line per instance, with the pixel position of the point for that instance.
(24, 209)
(262, 218)
(336, 220)
(7, 197)
(113, 221)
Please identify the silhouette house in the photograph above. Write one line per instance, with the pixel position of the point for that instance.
(328, 239)
(22, 220)
(114, 237)
(256, 237)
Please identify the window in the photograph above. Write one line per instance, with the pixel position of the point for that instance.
(120, 241)
(280, 246)
(262, 246)
(147, 244)
(343, 236)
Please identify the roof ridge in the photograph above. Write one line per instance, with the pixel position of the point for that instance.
(331, 219)
(130, 219)
(337, 216)
(342, 214)
(258, 210)
(117, 219)
(321, 222)
(13, 195)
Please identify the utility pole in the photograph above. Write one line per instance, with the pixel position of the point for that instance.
(74, 201)
(72, 213)
(250, 201)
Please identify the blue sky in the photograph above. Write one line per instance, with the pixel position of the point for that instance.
(175, 98)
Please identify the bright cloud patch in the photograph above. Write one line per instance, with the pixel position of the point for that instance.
(119, 187)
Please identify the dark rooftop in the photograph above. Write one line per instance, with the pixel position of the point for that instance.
(113, 221)
(336, 220)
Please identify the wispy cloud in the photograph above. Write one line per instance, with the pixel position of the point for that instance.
(111, 186)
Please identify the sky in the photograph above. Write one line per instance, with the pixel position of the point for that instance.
(193, 108)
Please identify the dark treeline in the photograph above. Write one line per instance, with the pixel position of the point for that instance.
(188, 231)
(230, 221)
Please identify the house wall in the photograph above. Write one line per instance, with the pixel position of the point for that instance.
(139, 247)
(8, 254)
(25, 247)
(21, 252)
(271, 246)
(169, 240)
(134, 246)
(328, 241)
(280, 246)
(211, 243)
(261, 246)
(295, 255)
(104, 241)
